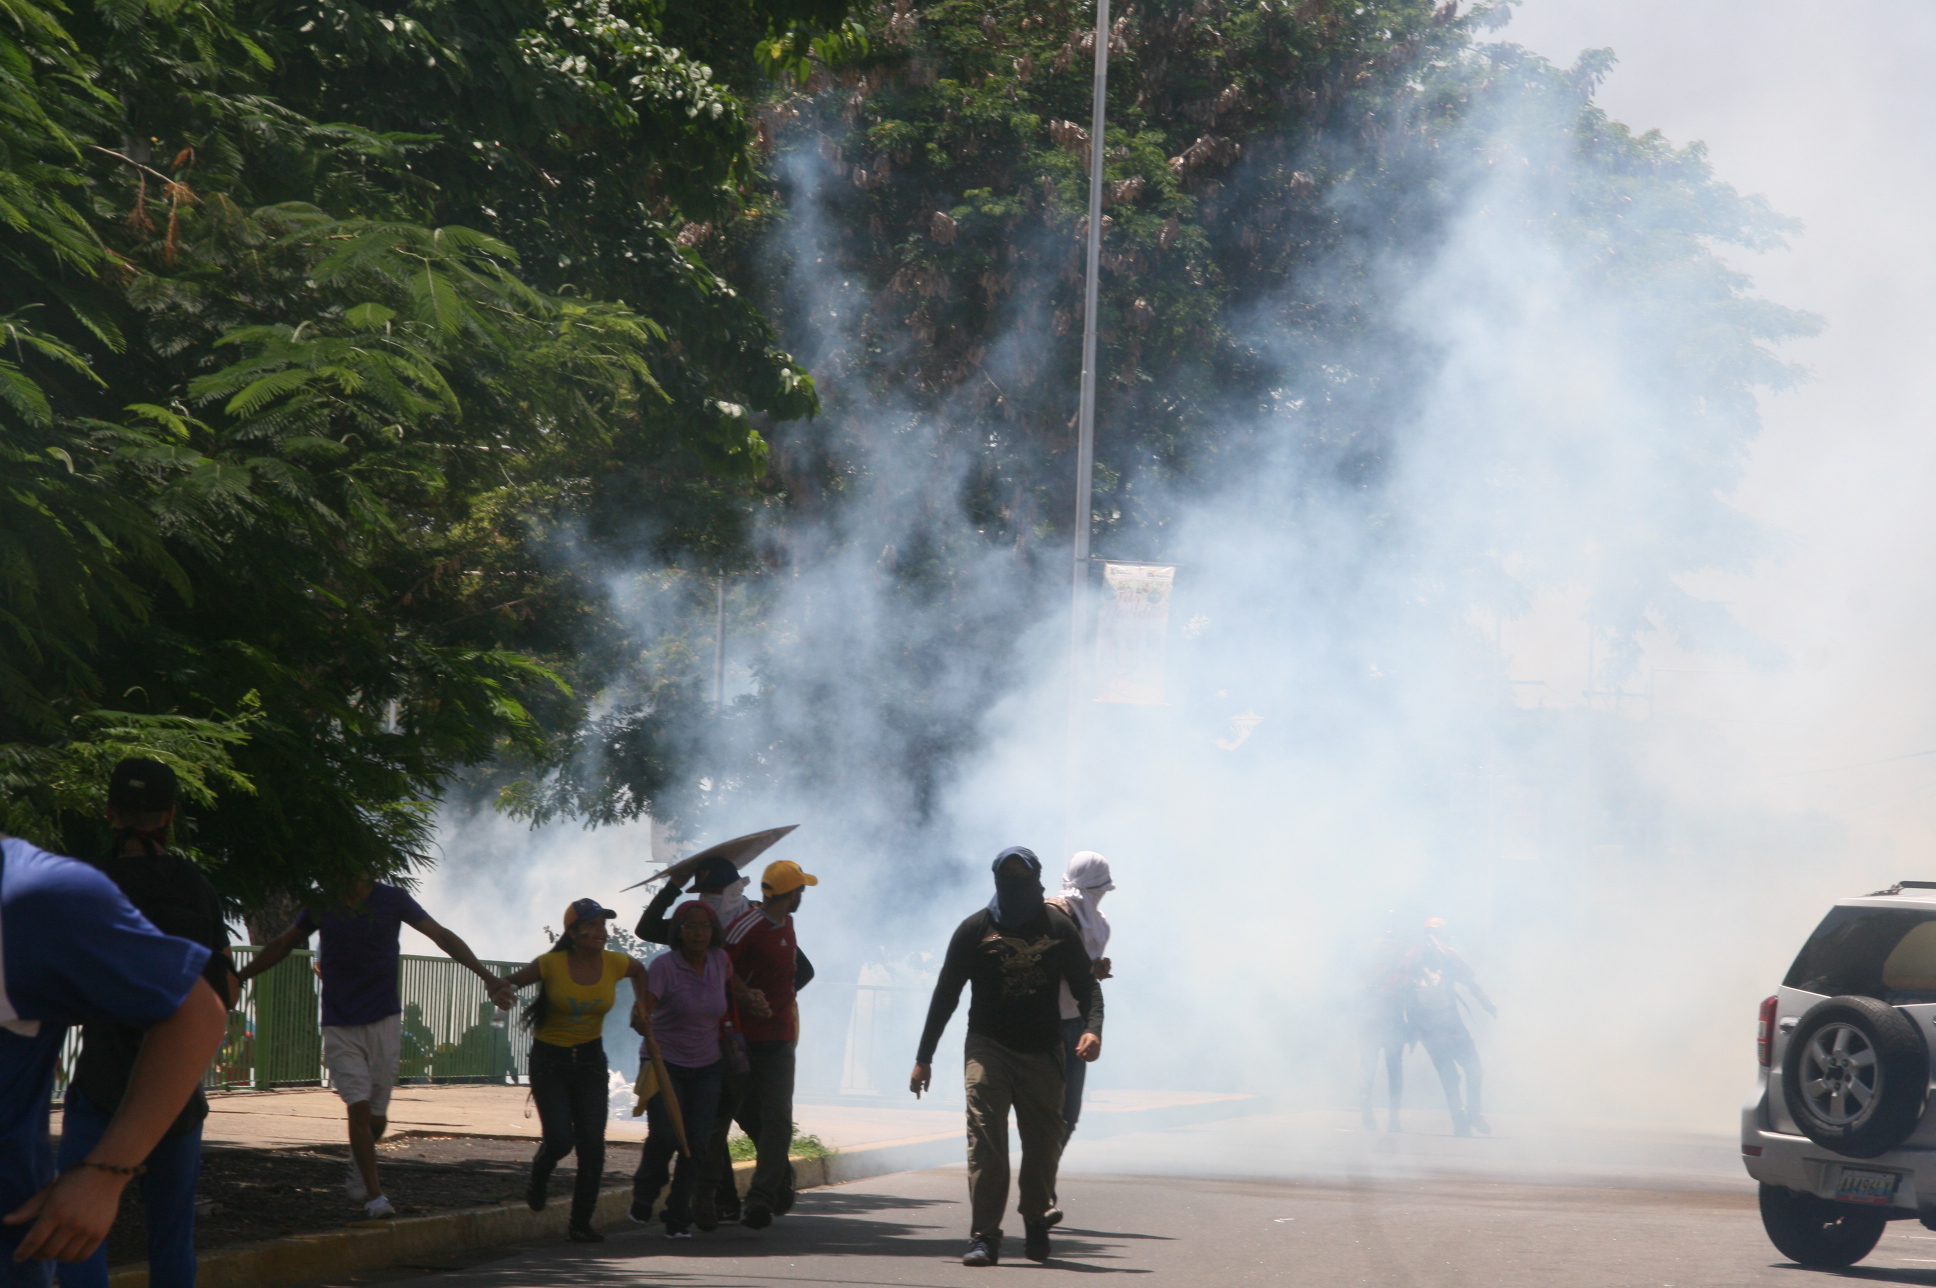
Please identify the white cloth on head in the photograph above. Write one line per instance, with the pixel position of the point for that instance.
(1087, 877)
(1085, 880)
(729, 904)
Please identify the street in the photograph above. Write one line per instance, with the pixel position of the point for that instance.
(1471, 1228)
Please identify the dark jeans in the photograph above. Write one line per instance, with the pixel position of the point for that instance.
(167, 1199)
(569, 1086)
(1074, 1072)
(1452, 1051)
(698, 1093)
(765, 1114)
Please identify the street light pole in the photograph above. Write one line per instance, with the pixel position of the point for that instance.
(1086, 412)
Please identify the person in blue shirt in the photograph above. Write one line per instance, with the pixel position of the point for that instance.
(73, 950)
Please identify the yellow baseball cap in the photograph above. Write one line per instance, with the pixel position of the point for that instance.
(783, 876)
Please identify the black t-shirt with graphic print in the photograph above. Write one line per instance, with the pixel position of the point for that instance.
(1015, 974)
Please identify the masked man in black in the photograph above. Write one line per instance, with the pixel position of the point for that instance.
(1016, 952)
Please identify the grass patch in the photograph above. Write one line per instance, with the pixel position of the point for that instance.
(739, 1146)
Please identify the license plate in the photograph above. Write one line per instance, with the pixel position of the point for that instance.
(1855, 1186)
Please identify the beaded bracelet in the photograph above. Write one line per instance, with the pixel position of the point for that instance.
(136, 1170)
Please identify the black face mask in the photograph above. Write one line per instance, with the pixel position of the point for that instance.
(1018, 896)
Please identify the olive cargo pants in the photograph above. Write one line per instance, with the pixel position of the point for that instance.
(1031, 1082)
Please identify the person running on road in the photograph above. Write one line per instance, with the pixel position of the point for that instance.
(569, 1078)
(1436, 972)
(362, 1011)
(681, 1008)
(766, 955)
(177, 899)
(73, 950)
(1084, 883)
(1013, 952)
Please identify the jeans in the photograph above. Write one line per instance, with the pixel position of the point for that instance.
(765, 1114)
(569, 1086)
(1075, 1071)
(1031, 1082)
(1451, 1049)
(698, 1093)
(167, 1199)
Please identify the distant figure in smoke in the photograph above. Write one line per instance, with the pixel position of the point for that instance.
(1435, 973)
(1014, 952)
(1084, 884)
(1383, 1029)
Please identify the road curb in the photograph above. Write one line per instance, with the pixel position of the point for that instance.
(374, 1245)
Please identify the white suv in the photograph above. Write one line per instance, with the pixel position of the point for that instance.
(1836, 1130)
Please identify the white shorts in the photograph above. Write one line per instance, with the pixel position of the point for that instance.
(362, 1060)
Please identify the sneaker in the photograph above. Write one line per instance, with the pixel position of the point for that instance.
(982, 1251)
(641, 1211)
(584, 1234)
(379, 1209)
(677, 1230)
(788, 1191)
(534, 1189)
(353, 1185)
(1035, 1240)
(1480, 1125)
(758, 1216)
(1395, 1124)
(1052, 1217)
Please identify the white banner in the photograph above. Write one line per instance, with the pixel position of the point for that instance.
(1132, 633)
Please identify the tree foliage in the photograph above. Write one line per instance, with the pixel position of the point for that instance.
(326, 326)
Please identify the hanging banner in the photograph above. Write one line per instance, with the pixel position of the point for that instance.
(1132, 633)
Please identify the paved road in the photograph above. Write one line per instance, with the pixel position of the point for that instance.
(1202, 1233)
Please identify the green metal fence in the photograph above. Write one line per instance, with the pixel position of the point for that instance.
(451, 1031)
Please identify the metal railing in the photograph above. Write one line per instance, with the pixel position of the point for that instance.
(451, 1031)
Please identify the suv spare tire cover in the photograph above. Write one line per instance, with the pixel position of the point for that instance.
(1855, 1074)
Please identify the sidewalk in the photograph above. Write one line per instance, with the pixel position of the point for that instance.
(314, 1116)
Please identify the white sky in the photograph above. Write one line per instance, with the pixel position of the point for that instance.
(1826, 110)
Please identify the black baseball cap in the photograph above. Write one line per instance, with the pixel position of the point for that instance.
(141, 786)
(715, 874)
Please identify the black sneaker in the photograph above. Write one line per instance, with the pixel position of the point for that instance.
(534, 1189)
(584, 1234)
(678, 1230)
(982, 1251)
(1035, 1240)
(641, 1211)
(705, 1211)
(758, 1216)
(1052, 1217)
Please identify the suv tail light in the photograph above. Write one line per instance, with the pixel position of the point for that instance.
(1765, 1034)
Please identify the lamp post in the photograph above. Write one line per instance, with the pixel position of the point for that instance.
(1086, 411)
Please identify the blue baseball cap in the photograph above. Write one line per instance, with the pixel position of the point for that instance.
(582, 909)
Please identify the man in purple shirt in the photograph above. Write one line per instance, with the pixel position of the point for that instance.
(362, 1012)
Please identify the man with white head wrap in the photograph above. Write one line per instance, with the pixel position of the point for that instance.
(1084, 883)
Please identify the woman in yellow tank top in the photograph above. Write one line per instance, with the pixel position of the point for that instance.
(568, 1071)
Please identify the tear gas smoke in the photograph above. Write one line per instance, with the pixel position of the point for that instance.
(1550, 486)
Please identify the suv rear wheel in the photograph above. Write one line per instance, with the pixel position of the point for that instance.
(1854, 1075)
(1817, 1232)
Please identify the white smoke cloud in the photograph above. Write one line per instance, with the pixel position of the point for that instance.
(1630, 848)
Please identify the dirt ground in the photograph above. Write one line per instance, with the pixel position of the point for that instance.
(271, 1193)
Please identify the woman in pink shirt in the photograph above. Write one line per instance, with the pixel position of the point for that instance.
(684, 1002)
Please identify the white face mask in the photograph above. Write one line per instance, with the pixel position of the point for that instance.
(728, 903)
